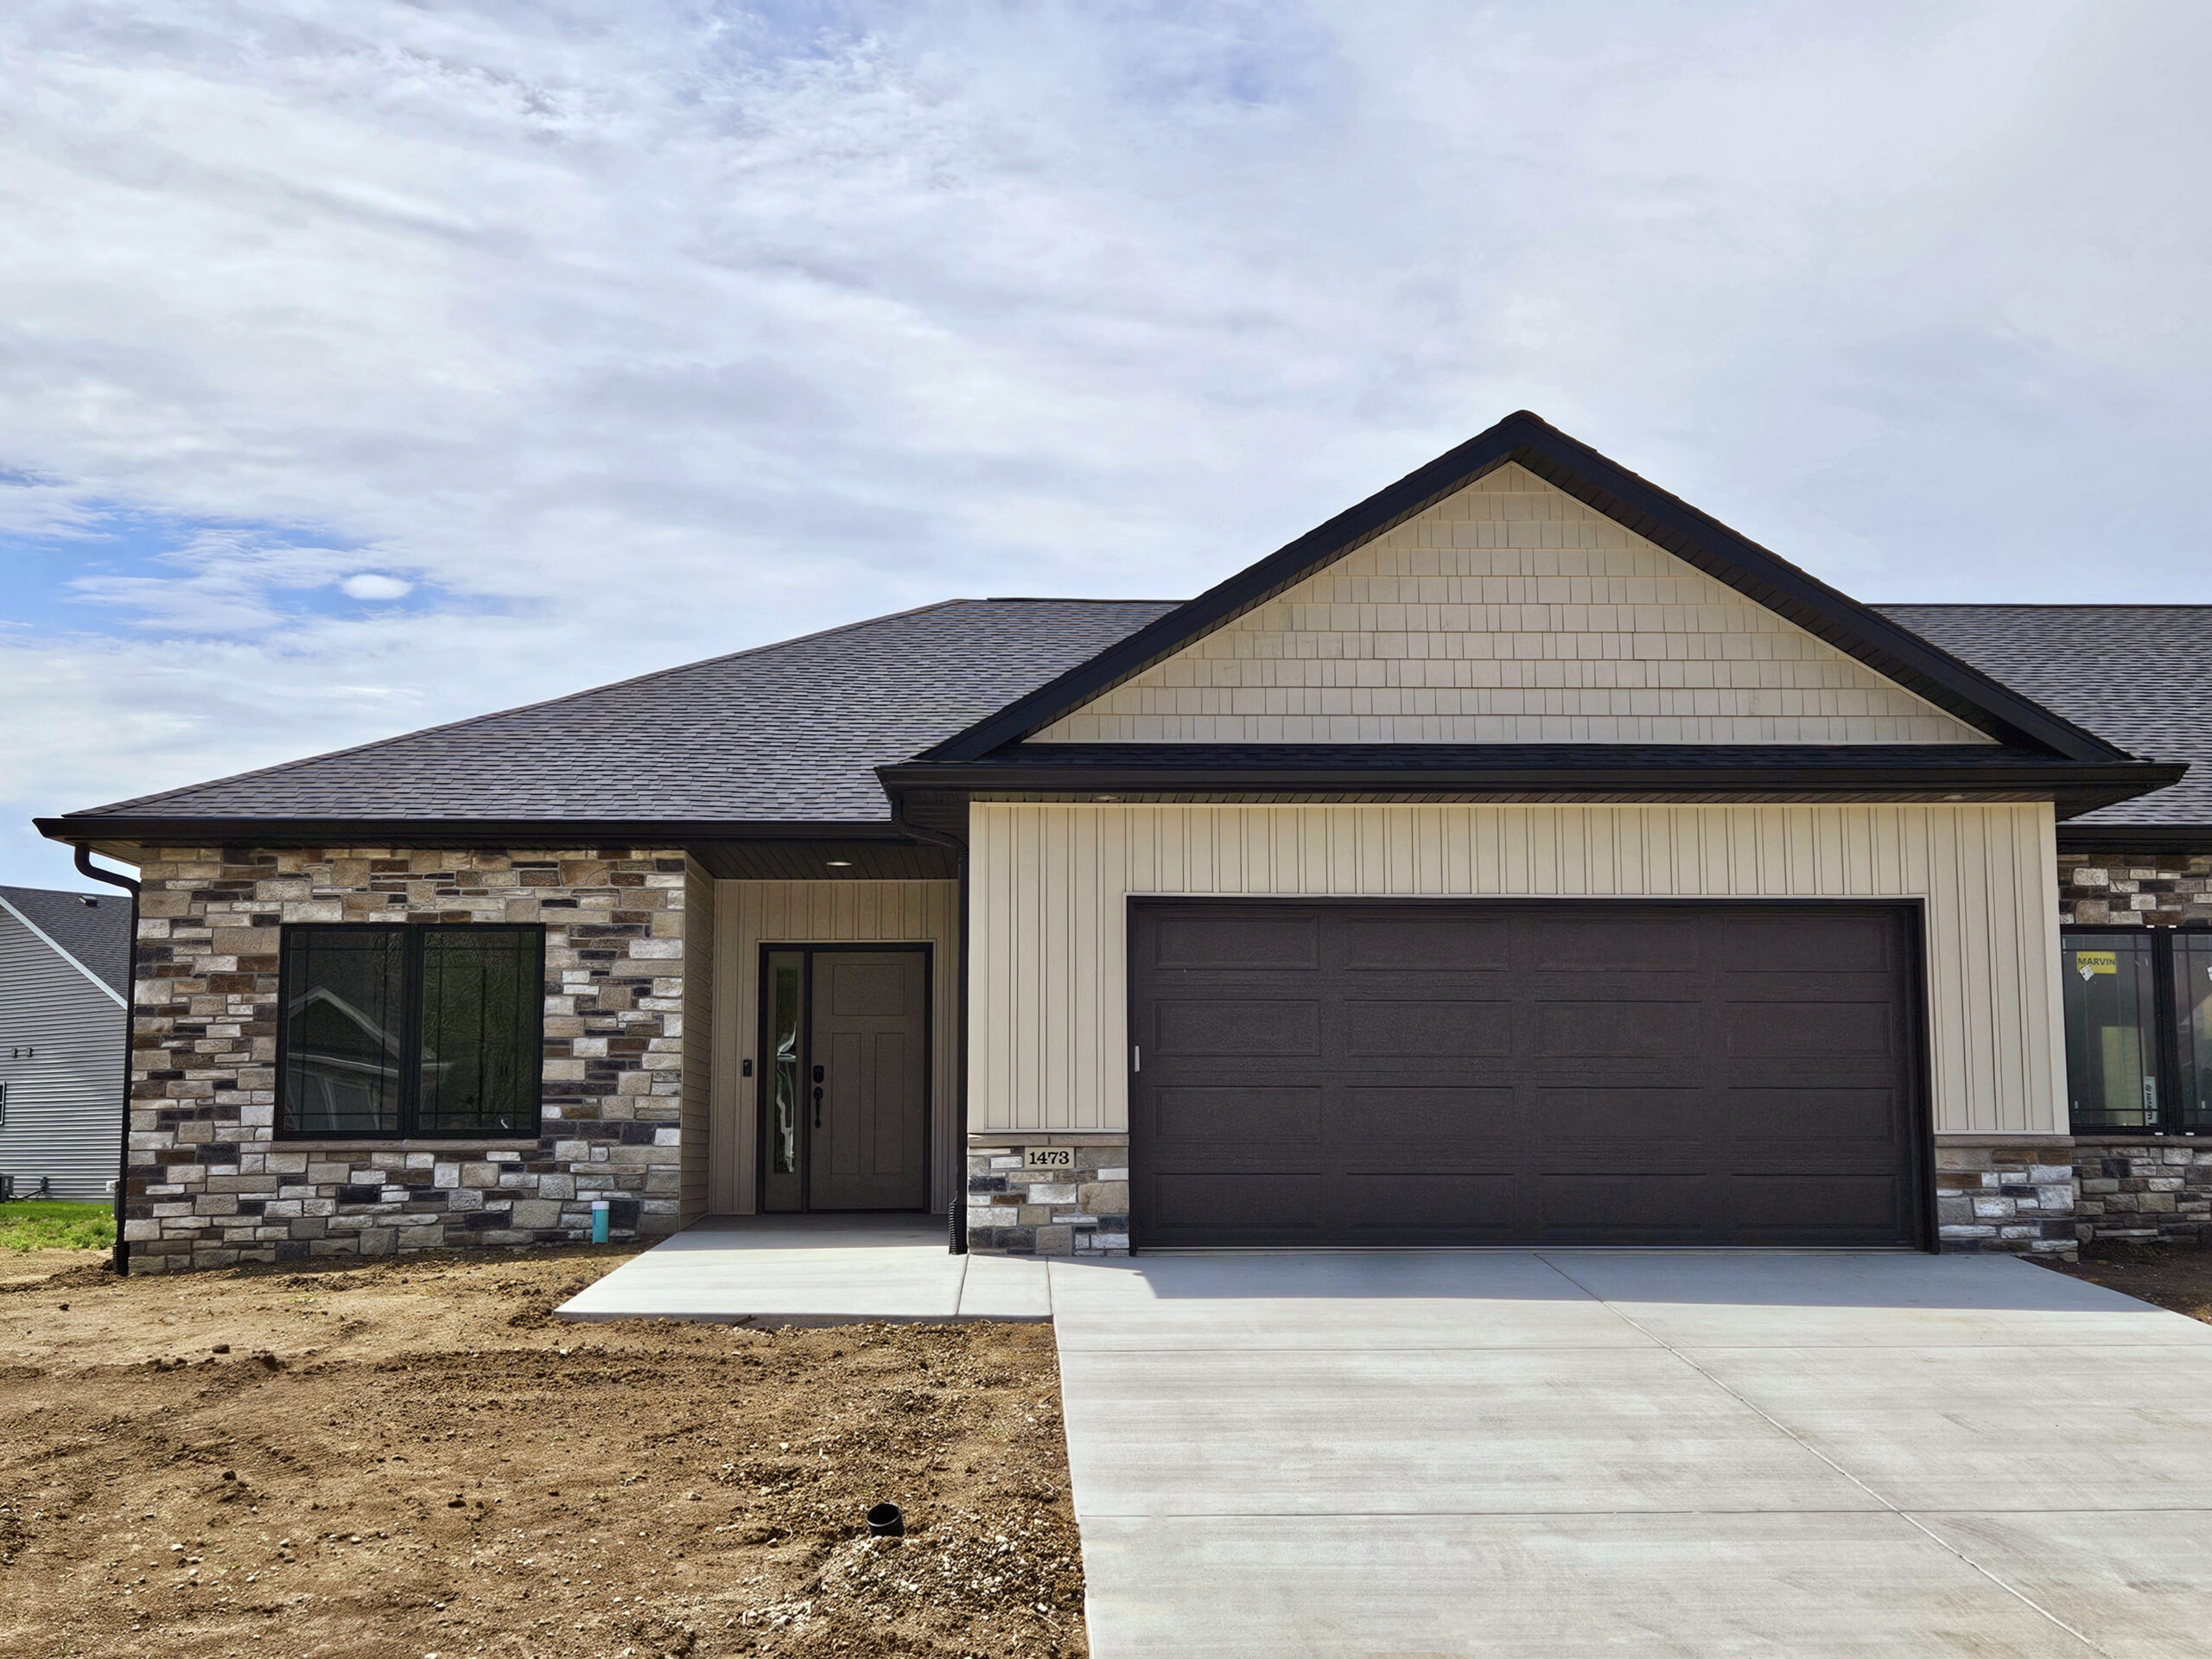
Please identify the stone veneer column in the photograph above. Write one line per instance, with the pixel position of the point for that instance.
(1080, 1209)
(2008, 1193)
(208, 1183)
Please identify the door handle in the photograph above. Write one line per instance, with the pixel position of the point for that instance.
(817, 1106)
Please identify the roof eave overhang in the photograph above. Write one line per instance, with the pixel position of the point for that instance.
(94, 830)
(2072, 787)
(1641, 507)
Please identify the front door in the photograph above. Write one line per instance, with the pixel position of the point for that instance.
(844, 1094)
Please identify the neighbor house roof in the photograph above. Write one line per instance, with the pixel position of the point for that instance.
(92, 929)
(786, 734)
(2138, 676)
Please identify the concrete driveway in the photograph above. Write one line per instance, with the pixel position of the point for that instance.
(1648, 1454)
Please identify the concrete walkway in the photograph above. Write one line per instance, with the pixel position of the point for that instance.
(814, 1270)
(1629, 1454)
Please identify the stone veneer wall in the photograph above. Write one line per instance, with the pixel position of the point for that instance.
(2153, 889)
(2139, 1189)
(208, 1184)
(1083, 1211)
(2144, 1190)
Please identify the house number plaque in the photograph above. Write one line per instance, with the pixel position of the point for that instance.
(1048, 1157)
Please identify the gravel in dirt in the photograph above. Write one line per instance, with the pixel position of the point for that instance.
(415, 1458)
(2172, 1278)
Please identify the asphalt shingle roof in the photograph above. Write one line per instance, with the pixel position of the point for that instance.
(2139, 675)
(97, 934)
(792, 732)
(789, 733)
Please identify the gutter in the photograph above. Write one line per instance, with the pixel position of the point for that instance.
(85, 867)
(277, 831)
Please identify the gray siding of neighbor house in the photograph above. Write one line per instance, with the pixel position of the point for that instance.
(64, 1104)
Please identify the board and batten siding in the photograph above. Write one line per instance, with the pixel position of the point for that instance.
(1049, 884)
(64, 1103)
(697, 1037)
(749, 914)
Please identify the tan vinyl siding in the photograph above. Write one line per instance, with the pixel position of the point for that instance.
(1050, 886)
(752, 913)
(64, 1098)
(1509, 612)
(698, 1038)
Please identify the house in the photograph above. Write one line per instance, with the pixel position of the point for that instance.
(1521, 856)
(64, 970)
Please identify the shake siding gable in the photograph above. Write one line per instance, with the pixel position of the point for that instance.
(1509, 612)
(64, 1102)
(1051, 885)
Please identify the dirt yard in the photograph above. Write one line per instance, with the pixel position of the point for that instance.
(2178, 1279)
(417, 1459)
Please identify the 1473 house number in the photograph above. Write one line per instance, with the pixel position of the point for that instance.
(1048, 1157)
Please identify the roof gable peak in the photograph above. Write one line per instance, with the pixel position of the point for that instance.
(1523, 438)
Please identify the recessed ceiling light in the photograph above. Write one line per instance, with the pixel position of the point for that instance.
(1105, 798)
(841, 863)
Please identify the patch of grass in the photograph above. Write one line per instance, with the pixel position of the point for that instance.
(56, 1224)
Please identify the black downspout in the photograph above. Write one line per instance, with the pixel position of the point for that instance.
(956, 1205)
(122, 1260)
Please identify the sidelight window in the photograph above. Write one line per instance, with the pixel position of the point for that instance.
(425, 1030)
(2138, 1030)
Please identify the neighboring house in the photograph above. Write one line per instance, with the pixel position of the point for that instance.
(65, 969)
(1521, 856)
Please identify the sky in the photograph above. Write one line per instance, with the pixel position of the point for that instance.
(365, 364)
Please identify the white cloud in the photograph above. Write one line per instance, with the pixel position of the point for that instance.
(630, 336)
(369, 585)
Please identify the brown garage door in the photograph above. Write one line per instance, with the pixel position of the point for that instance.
(1523, 1073)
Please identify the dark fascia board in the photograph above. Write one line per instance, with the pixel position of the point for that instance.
(1695, 537)
(449, 832)
(2135, 837)
(2076, 786)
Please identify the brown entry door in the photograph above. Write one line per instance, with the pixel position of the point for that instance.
(847, 1104)
(1518, 1073)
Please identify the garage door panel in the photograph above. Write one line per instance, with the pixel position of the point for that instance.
(1424, 1030)
(1425, 1115)
(1817, 1117)
(1204, 1026)
(1604, 1072)
(1616, 1030)
(1620, 1117)
(1183, 1115)
(1603, 941)
(1833, 1210)
(1430, 1208)
(1812, 1030)
(1234, 1209)
(1781, 944)
(1639, 1208)
(1404, 943)
(1215, 940)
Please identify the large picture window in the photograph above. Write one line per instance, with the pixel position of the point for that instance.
(429, 1030)
(2138, 1029)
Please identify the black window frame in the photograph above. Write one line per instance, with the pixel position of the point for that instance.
(2166, 1032)
(413, 936)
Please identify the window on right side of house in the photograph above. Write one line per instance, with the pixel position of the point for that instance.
(2138, 1030)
